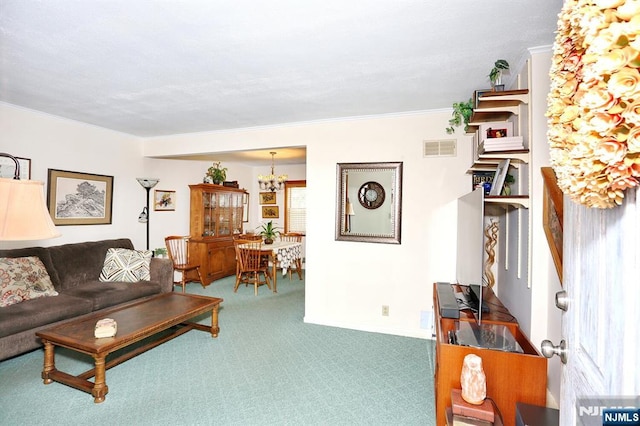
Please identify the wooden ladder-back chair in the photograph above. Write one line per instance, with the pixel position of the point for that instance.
(178, 250)
(251, 261)
(295, 237)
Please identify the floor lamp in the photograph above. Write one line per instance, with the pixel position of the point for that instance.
(23, 211)
(147, 183)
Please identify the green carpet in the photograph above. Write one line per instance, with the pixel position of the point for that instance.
(267, 367)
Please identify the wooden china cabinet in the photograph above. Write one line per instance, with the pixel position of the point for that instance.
(216, 216)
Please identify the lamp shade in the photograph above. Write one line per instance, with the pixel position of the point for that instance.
(23, 211)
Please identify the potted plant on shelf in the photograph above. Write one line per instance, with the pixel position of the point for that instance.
(462, 112)
(215, 174)
(495, 75)
(268, 232)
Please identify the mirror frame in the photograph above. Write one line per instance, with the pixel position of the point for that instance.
(395, 195)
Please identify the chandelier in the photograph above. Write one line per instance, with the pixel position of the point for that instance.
(272, 182)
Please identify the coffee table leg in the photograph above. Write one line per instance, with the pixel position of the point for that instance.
(49, 362)
(100, 388)
(214, 322)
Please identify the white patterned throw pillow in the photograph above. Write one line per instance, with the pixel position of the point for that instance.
(126, 265)
(23, 278)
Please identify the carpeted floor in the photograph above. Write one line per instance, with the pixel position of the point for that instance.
(267, 367)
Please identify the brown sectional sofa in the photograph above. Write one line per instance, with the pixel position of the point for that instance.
(74, 270)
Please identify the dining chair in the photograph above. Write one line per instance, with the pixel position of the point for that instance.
(178, 250)
(295, 237)
(251, 263)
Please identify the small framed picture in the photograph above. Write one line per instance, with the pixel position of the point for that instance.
(8, 168)
(495, 129)
(477, 95)
(268, 198)
(270, 212)
(499, 177)
(164, 200)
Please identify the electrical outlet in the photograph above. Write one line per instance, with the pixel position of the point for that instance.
(385, 310)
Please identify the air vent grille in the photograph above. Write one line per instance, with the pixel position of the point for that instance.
(441, 148)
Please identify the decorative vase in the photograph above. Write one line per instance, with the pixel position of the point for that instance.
(473, 380)
(506, 190)
(268, 240)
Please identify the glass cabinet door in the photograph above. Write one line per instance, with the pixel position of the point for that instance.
(236, 213)
(209, 205)
(224, 214)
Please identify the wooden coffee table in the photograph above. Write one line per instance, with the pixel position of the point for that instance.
(136, 321)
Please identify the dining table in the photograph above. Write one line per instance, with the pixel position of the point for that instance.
(283, 254)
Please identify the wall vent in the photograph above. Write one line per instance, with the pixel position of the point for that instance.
(442, 148)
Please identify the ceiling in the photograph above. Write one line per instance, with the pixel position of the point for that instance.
(151, 67)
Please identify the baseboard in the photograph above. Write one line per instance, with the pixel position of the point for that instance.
(396, 331)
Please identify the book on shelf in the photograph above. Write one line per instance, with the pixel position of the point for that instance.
(461, 407)
(459, 420)
(501, 144)
(479, 177)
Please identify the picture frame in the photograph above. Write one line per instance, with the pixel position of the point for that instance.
(270, 212)
(477, 94)
(77, 198)
(552, 211)
(499, 177)
(268, 198)
(164, 200)
(495, 129)
(8, 168)
(245, 207)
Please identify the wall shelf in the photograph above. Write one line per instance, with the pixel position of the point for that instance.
(516, 201)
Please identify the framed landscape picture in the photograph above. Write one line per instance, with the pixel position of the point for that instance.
(76, 198)
(8, 168)
(270, 212)
(164, 200)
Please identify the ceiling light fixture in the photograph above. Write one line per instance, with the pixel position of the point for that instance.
(271, 182)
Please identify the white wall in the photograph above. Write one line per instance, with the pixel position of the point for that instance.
(54, 143)
(348, 282)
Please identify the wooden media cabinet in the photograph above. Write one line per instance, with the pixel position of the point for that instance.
(512, 377)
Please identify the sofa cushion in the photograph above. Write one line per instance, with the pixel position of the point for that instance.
(126, 265)
(77, 263)
(105, 294)
(23, 278)
(39, 312)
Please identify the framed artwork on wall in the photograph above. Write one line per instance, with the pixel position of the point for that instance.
(164, 200)
(499, 177)
(76, 198)
(8, 168)
(268, 198)
(270, 212)
(552, 211)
